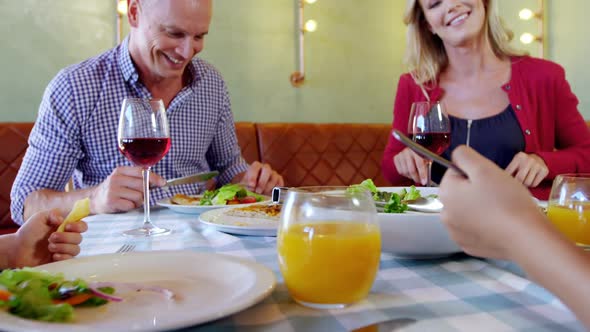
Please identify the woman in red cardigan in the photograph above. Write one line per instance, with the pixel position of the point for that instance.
(516, 110)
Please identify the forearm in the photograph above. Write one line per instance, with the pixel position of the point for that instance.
(555, 263)
(569, 160)
(7, 250)
(46, 199)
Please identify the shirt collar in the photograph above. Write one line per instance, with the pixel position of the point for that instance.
(126, 65)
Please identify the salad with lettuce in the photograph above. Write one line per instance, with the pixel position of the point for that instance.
(40, 295)
(393, 202)
(230, 194)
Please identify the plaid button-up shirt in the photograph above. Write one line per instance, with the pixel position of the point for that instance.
(75, 135)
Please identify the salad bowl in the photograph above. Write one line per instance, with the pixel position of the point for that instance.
(415, 234)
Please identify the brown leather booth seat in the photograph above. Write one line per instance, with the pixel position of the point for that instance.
(248, 140)
(309, 154)
(305, 154)
(14, 138)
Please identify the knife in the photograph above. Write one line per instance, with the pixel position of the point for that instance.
(425, 153)
(195, 178)
(387, 326)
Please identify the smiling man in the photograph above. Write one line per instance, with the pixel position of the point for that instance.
(75, 134)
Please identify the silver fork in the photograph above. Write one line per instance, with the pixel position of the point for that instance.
(127, 247)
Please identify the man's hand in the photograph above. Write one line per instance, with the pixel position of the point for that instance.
(37, 243)
(261, 178)
(121, 191)
(529, 169)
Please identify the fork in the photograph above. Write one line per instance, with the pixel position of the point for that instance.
(127, 247)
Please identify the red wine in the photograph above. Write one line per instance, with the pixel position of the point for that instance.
(435, 142)
(144, 152)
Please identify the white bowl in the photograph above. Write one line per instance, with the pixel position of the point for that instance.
(415, 234)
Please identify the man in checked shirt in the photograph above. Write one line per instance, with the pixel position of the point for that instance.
(75, 135)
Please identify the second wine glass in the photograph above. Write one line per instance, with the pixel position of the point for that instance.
(144, 138)
(430, 127)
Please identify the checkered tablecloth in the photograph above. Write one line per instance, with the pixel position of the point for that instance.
(458, 293)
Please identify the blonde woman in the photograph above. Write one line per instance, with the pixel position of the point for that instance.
(516, 110)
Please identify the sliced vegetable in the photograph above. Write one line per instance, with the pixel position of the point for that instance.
(395, 202)
(395, 205)
(247, 200)
(80, 211)
(5, 295)
(43, 296)
(75, 299)
(230, 194)
(105, 293)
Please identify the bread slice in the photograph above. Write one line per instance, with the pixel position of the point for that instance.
(182, 199)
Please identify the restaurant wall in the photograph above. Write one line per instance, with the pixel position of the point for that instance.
(37, 38)
(352, 61)
(568, 42)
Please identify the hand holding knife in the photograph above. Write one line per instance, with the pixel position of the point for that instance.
(195, 178)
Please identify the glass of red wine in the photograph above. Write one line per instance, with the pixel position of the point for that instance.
(430, 127)
(144, 139)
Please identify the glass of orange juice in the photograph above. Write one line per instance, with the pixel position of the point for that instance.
(329, 245)
(569, 207)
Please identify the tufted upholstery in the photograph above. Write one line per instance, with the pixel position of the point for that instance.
(304, 153)
(309, 154)
(14, 144)
(246, 133)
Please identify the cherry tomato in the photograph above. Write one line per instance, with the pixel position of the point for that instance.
(248, 199)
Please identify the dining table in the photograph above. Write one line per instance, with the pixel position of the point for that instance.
(454, 293)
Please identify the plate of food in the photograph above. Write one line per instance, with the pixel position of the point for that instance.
(407, 233)
(141, 291)
(229, 194)
(254, 219)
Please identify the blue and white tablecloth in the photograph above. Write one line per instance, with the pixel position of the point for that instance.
(458, 293)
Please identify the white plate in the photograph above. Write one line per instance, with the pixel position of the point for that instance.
(222, 222)
(226, 286)
(415, 234)
(194, 209)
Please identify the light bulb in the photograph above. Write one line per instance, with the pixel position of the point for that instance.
(527, 38)
(122, 7)
(310, 1)
(310, 26)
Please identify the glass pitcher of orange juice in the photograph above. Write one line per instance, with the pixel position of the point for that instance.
(329, 245)
(569, 207)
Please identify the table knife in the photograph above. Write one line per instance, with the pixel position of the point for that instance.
(425, 153)
(195, 178)
(386, 326)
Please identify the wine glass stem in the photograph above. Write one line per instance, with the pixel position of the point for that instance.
(429, 175)
(146, 197)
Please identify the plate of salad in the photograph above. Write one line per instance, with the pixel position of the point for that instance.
(139, 291)
(228, 195)
(406, 233)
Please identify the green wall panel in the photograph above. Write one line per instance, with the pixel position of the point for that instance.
(38, 38)
(352, 61)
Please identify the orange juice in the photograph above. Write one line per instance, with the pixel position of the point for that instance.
(329, 262)
(573, 222)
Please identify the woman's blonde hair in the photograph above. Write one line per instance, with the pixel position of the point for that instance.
(425, 54)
